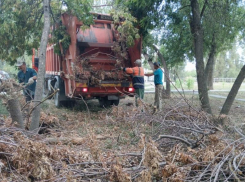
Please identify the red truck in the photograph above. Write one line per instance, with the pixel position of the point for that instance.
(88, 69)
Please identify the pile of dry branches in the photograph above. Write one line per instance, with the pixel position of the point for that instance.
(181, 143)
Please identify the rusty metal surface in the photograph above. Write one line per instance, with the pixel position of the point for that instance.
(100, 32)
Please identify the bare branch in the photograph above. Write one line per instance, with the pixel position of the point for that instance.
(174, 137)
(203, 8)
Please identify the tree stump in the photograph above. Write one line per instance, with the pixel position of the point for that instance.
(15, 112)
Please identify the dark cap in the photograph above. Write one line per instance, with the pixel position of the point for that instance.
(156, 64)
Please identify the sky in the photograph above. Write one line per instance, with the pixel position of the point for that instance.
(190, 66)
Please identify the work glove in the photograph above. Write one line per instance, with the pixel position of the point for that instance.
(30, 81)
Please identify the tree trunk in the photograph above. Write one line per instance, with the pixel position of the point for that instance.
(166, 71)
(41, 66)
(231, 97)
(209, 70)
(151, 64)
(149, 60)
(197, 32)
(15, 112)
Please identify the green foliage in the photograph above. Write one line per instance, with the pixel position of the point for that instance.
(3, 109)
(79, 8)
(125, 24)
(221, 22)
(229, 63)
(177, 37)
(148, 13)
(60, 36)
(191, 73)
(178, 83)
(190, 83)
(22, 24)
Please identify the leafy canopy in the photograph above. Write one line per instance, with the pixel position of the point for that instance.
(22, 23)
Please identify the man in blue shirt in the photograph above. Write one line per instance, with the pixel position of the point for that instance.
(27, 76)
(158, 75)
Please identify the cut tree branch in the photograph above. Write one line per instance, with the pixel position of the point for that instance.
(176, 138)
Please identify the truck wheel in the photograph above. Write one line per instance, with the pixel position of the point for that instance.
(69, 103)
(57, 96)
(104, 102)
(57, 101)
(115, 102)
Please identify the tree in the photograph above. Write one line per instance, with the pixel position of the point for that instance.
(226, 20)
(197, 32)
(41, 65)
(20, 21)
(229, 63)
(148, 13)
(233, 92)
(203, 34)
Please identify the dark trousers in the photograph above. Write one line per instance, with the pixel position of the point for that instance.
(28, 95)
(139, 94)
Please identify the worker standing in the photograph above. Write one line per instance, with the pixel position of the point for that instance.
(137, 73)
(158, 75)
(27, 76)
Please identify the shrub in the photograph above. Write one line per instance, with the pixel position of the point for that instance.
(178, 83)
(190, 83)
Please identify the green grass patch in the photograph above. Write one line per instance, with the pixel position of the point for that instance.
(3, 109)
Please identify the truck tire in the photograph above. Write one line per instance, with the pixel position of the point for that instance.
(45, 89)
(115, 102)
(68, 103)
(57, 101)
(104, 102)
(59, 98)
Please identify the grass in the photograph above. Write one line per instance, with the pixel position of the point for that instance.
(236, 113)
(240, 94)
(217, 86)
(3, 109)
(222, 86)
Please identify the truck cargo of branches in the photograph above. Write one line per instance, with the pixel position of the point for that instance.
(89, 67)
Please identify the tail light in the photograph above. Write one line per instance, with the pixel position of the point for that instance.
(131, 89)
(84, 89)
